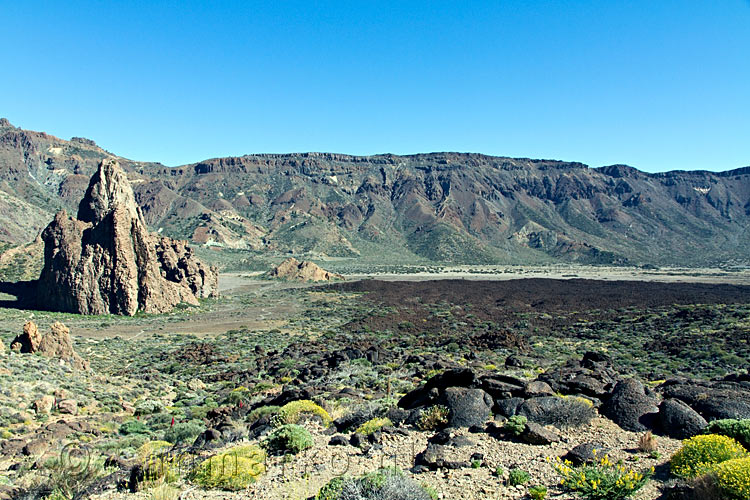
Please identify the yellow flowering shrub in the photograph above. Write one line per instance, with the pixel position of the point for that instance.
(373, 425)
(733, 477)
(235, 469)
(292, 413)
(699, 454)
(602, 480)
(158, 462)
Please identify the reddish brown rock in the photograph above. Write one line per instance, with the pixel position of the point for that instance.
(106, 262)
(29, 340)
(54, 344)
(58, 344)
(292, 269)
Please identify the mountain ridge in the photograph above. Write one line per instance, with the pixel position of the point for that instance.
(466, 208)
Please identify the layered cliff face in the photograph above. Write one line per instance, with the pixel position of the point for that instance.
(106, 262)
(449, 207)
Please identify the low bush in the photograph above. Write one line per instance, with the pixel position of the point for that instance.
(518, 476)
(148, 407)
(373, 425)
(601, 480)
(235, 469)
(432, 418)
(733, 478)
(700, 453)
(150, 449)
(261, 412)
(538, 492)
(238, 395)
(384, 484)
(73, 472)
(290, 438)
(562, 411)
(515, 425)
(737, 429)
(133, 427)
(184, 432)
(292, 413)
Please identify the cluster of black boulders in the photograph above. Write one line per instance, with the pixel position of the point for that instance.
(678, 407)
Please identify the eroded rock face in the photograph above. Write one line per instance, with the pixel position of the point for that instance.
(106, 262)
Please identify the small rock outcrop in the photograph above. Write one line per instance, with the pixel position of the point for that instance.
(54, 344)
(106, 262)
(295, 270)
(28, 342)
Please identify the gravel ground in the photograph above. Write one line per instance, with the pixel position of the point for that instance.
(302, 476)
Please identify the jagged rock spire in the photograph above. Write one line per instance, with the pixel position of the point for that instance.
(106, 262)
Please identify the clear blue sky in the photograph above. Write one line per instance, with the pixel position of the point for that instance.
(657, 84)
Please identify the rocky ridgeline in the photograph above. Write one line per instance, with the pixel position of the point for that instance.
(54, 344)
(293, 270)
(106, 262)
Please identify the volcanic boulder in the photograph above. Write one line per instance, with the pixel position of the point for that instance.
(106, 262)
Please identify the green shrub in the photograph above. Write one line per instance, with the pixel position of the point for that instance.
(518, 476)
(158, 462)
(737, 429)
(700, 453)
(152, 448)
(291, 438)
(237, 395)
(733, 478)
(292, 413)
(384, 484)
(565, 412)
(515, 425)
(332, 490)
(538, 492)
(133, 427)
(233, 470)
(184, 432)
(433, 418)
(148, 407)
(261, 412)
(601, 480)
(71, 473)
(373, 425)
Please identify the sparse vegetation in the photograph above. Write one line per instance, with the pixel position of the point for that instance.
(515, 425)
(518, 476)
(434, 417)
(602, 480)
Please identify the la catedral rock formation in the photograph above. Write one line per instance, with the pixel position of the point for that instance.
(106, 262)
(294, 270)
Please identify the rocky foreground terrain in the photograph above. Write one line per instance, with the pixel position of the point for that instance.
(471, 390)
(444, 207)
